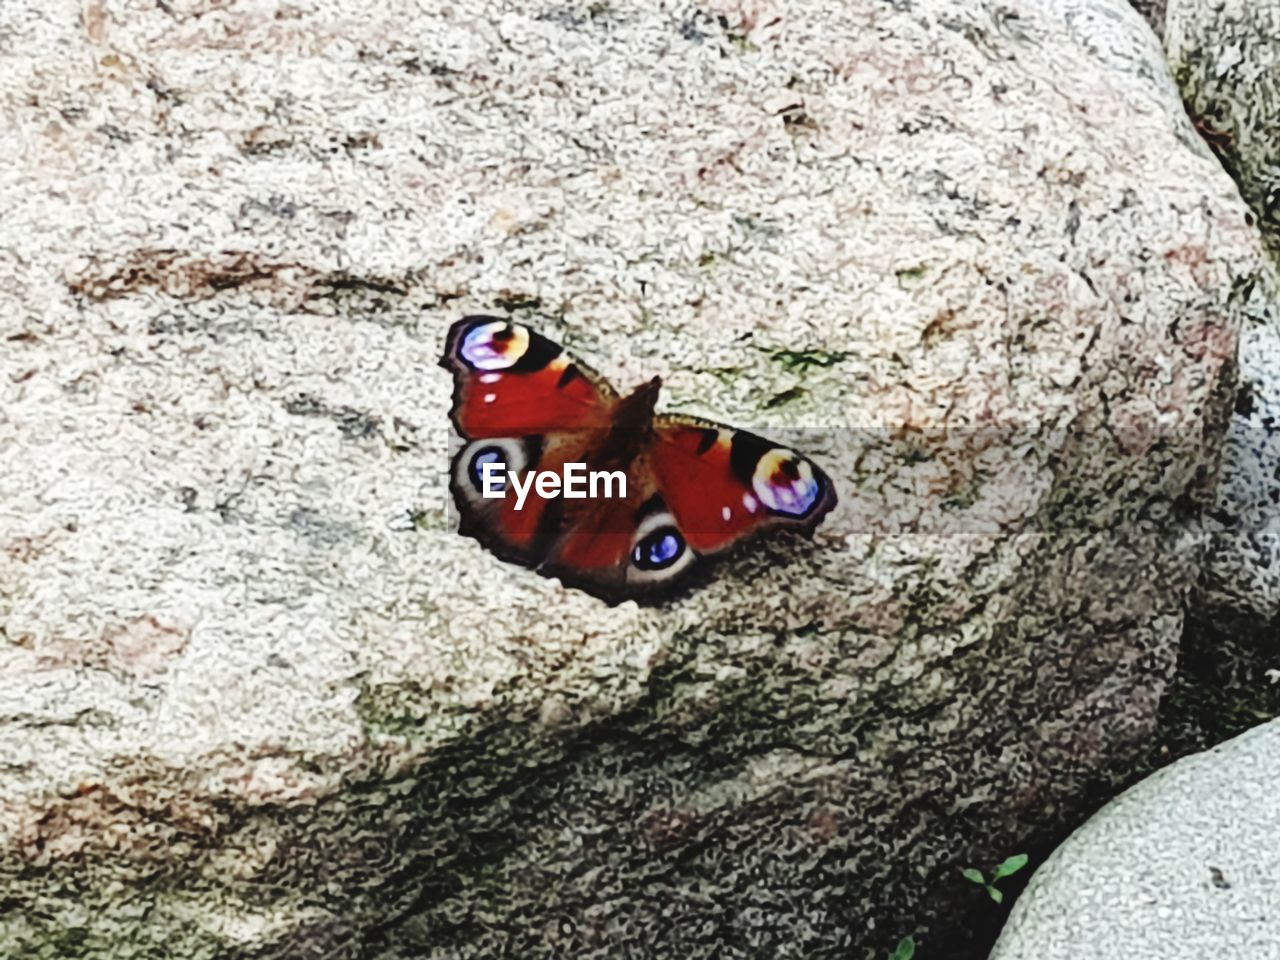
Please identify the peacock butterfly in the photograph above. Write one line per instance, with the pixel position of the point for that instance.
(685, 488)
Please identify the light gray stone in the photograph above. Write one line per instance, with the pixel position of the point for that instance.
(1180, 867)
(1154, 13)
(260, 700)
(1225, 57)
(1240, 588)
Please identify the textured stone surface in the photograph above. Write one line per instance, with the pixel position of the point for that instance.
(260, 700)
(1154, 12)
(1180, 867)
(1226, 59)
(1241, 582)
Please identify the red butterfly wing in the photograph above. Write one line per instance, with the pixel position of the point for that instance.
(606, 544)
(722, 484)
(516, 534)
(510, 381)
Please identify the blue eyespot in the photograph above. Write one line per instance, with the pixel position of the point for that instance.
(494, 346)
(659, 549)
(785, 483)
(476, 469)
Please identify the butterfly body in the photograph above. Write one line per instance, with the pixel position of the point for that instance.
(678, 489)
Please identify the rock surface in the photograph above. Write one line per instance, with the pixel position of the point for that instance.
(1180, 867)
(1154, 13)
(261, 701)
(1226, 57)
(1240, 588)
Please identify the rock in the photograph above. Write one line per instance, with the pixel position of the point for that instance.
(1180, 867)
(1240, 588)
(1154, 13)
(262, 701)
(1226, 59)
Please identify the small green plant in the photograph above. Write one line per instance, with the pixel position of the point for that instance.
(905, 950)
(1008, 868)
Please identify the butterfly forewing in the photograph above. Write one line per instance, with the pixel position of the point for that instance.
(510, 381)
(723, 485)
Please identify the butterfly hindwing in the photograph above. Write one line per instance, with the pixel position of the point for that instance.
(622, 547)
(515, 535)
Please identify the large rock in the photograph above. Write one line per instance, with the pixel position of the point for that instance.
(1226, 58)
(1180, 867)
(1154, 12)
(1240, 589)
(262, 701)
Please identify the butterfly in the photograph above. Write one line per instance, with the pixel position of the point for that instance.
(673, 490)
